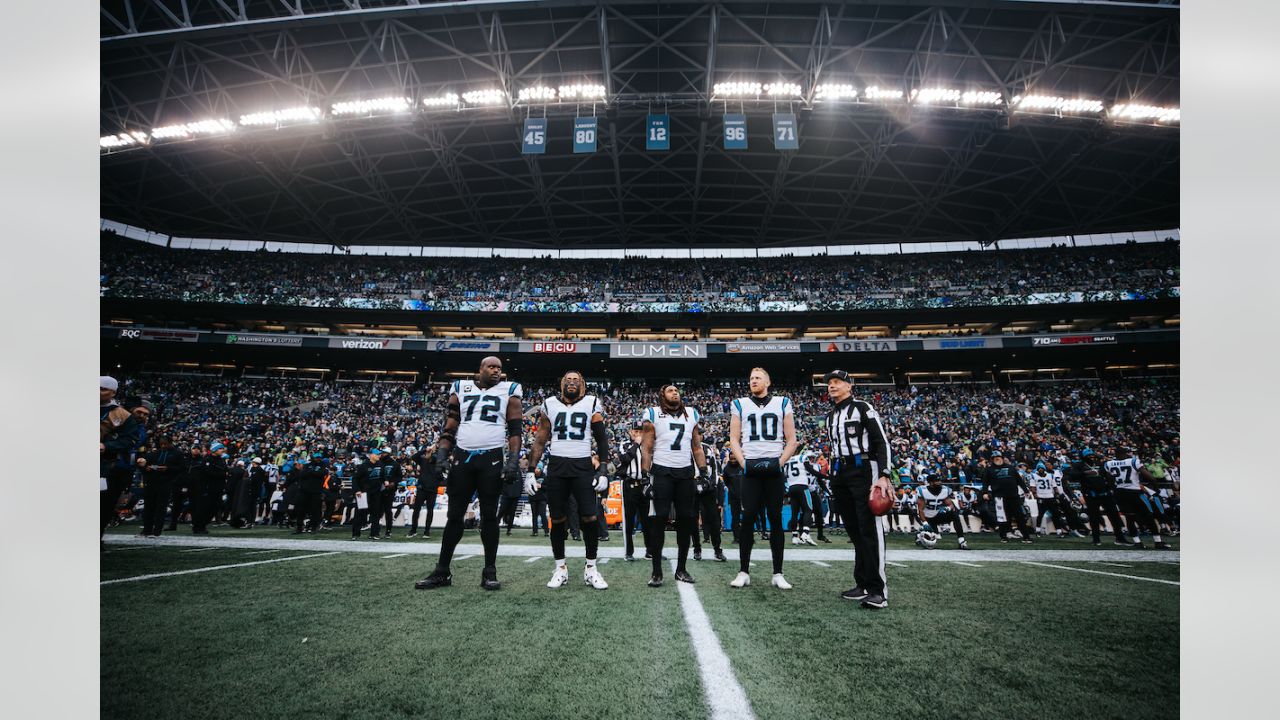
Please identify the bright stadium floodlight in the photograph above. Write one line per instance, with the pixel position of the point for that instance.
(782, 89)
(736, 89)
(390, 104)
(831, 92)
(537, 93)
(287, 116)
(582, 92)
(981, 97)
(200, 127)
(1055, 103)
(929, 96)
(446, 100)
(879, 93)
(110, 142)
(1139, 113)
(485, 97)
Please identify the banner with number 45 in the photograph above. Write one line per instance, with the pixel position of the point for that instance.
(535, 137)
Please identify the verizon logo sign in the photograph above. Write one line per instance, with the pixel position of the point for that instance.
(365, 344)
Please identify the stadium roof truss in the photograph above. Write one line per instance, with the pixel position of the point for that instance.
(867, 170)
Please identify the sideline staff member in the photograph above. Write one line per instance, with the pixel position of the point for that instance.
(860, 459)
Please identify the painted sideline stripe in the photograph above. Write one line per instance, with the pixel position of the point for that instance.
(819, 563)
(203, 549)
(126, 549)
(886, 562)
(210, 569)
(1114, 564)
(724, 695)
(460, 558)
(957, 562)
(1099, 572)
(263, 552)
(535, 558)
(388, 557)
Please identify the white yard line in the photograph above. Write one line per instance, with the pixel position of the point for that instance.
(203, 549)
(388, 557)
(152, 576)
(886, 562)
(263, 552)
(1114, 564)
(724, 695)
(533, 559)
(1099, 572)
(957, 562)
(819, 563)
(460, 558)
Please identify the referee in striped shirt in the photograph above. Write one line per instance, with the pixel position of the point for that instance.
(860, 459)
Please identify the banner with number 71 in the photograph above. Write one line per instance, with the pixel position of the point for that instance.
(785, 133)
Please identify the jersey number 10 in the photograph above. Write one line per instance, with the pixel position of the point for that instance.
(767, 429)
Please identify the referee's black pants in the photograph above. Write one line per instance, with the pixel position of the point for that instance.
(634, 507)
(851, 489)
(155, 500)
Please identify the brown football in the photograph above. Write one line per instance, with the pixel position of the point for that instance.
(880, 501)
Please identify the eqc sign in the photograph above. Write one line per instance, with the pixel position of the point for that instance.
(657, 350)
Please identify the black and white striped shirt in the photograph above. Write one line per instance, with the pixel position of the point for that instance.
(856, 436)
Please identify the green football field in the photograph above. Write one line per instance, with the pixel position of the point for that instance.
(260, 624)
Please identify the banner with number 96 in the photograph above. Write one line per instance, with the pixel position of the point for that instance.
(735, 131)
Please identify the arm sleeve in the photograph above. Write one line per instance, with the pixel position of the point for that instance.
(602, 440)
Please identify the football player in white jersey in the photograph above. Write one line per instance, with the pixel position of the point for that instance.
(483, 415)
(1130, 476)
(936, 506)
(762, 438)
(796, 474)
(569, 422)
(670, 447)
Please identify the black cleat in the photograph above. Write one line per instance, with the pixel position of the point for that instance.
(1163, 546)
(489, 578)
(629, 558)
(437, 578)
(696, 556)
(656, 580)
(684, 576)
(823, 538)
(854, 594)
(412, 534)
(648, 555)
(720, 556)
(875, 602)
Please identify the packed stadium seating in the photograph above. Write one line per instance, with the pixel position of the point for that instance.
(132, 269)
(929, 424)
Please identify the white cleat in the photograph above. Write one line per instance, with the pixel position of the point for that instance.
(559, 578)
(780, 582)
(807, 540)
(742, 580)
(795, 539)
(591, 576)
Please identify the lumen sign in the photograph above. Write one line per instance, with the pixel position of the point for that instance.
(657, 350)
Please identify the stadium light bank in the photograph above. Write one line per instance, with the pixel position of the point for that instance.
(773, 91)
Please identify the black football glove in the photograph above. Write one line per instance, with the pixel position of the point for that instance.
(703, 480)
(647, 480)
(441, 460)
(511, 470)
